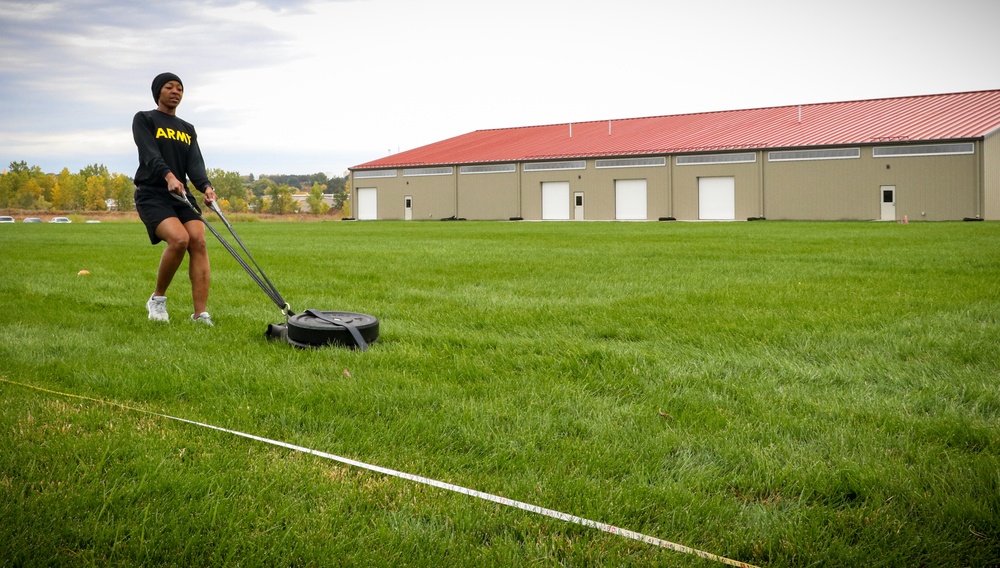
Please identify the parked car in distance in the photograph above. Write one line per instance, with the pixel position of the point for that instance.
(6, 219)
(32, 220)
(93, 221)
(60, 220)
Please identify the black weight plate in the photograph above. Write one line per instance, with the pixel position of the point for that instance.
(307, 329)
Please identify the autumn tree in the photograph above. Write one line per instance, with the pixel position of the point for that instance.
(336, 184)
(230, 189)
(96, 193)
(95, 170)
(122, 190)
(261, 186)
(67, 195)
(25, 187)
(30, 196)
(10, 182)
(46, 183)
(279, 200)
(57, 195)
(315, 200)
(61, 192)
(18, 167)
(344, 202)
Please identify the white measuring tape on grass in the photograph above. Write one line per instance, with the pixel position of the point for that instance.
(427, 481)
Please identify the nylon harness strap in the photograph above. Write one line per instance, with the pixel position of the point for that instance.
(355, 332)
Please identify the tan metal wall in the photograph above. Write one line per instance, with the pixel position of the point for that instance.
(823, 190)
(488, 195)
(930, 188)
(991, 177)
(927, 188)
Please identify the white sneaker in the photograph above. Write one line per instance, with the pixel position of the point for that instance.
(203, 318)
(157, 307)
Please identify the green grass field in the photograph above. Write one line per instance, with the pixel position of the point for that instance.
(831, 392)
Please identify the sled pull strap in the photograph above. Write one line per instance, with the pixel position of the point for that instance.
(355, 332)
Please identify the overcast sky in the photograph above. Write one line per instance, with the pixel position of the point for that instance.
(302, 86)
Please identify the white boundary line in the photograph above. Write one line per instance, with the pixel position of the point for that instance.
(426, 481)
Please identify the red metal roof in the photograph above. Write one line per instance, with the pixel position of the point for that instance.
(956, 116)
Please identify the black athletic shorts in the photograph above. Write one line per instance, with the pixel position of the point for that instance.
(155, 204)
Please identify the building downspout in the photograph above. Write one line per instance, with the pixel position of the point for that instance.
(670, 186)
(760, 183)
(520, 174)
(980, 177)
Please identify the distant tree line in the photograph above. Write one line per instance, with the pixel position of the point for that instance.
(94, 188)
(28, 187)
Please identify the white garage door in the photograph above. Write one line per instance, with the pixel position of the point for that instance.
(717, 198)
(367, 203)
(555, 200)
(630, 199)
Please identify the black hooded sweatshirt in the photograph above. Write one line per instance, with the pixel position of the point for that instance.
(167, 144)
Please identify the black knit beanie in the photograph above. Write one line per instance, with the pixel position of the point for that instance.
(163, 79)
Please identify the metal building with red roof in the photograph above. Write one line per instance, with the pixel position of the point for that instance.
(932, 157)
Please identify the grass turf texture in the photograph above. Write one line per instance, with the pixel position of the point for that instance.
(832, 391)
